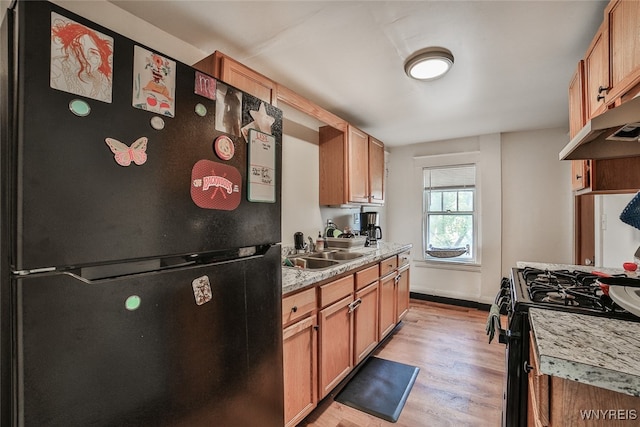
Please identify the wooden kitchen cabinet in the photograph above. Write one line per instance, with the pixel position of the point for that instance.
(376, 171)
(402, 293)
(577, 119)
(365, 337)
(623, 20)
(387, 304)
(300, 355)
(336, 334)
(300, 363)
(238, 75)
(357, 165)
(596, 72)
(558, 402)
(351, 167)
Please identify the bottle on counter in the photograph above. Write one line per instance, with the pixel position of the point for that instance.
(319, 242)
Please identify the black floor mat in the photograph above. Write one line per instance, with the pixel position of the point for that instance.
(380, 388)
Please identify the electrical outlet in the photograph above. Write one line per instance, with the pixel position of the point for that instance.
(356, 219)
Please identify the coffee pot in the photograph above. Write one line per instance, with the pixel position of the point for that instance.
(374, 233)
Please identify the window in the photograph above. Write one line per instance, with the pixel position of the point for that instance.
(449, 208)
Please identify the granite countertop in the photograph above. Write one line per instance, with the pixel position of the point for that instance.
(593, 350)
(295, 278)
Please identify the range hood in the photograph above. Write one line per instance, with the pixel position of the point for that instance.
(612, 134)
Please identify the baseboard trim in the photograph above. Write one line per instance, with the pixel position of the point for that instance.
(450, 301)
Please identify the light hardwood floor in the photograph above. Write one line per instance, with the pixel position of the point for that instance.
(460, 378)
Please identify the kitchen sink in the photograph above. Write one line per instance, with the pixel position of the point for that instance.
(326, 259)
(317, 263)
(336, 255)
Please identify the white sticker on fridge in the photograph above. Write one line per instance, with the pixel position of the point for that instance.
(201, 290)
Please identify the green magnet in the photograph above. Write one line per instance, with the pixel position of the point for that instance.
(201, 110)
(79, 107)
(132, 303)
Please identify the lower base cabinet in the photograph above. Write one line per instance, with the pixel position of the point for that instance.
(301, 370)
(558, 402)
(329, 329)
(387, 304)
(403, 293)
(365, 322)
(336, 335)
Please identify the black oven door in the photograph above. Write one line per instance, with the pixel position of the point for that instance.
(515, 389)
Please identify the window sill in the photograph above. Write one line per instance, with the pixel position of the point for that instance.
(449, 265)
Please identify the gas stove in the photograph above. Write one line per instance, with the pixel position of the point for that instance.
(567, 290)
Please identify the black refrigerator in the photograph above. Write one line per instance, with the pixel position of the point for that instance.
(139, 237)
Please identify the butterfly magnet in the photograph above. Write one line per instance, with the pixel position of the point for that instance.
(124, 154)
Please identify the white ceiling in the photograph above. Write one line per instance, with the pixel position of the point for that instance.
(513, 59)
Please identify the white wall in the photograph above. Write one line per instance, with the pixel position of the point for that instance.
(615, 241)
(404, 222)
(526, 209)
(537, 202)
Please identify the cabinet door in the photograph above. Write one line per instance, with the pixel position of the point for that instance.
(580, 174)
(624, 27)
(336, 344)
(387, 304)
(576, 101)
(238, 75)
(300, 370)
(596, 69)
(376, 171)
(246, 79)
(365, 335)
(358, 165)
(585, 247)
(402, 293)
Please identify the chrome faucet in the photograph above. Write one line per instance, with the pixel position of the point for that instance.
(312, 245)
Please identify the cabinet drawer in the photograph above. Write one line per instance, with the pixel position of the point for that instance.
(366, 276)
(404, 258)
(298, 305)
(332, 292)
(388, 265)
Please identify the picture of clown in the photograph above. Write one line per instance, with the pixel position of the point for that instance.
(153, 82)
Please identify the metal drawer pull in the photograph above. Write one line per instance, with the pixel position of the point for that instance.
(355, 304)
(294, 308)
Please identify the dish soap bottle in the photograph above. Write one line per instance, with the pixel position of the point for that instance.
(319, 242)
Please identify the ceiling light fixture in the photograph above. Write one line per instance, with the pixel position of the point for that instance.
(429, 64)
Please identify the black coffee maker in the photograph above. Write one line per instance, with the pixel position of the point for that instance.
(369, 226)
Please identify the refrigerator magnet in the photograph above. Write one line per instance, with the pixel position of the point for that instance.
(202, 290)
(205, 86)
(157, 122)
(224, 148)
(228, 109)
(215, 185)
(124, 155)
(261, 185)
(81, 59)
(154, 82)
(262, 119)
(200, 110)
(79, 107)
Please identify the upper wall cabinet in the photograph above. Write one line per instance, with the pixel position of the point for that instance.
(351, 167)
(244, 78)
(609, 73)
(376, 171)
(623, 18)
(596, 70)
